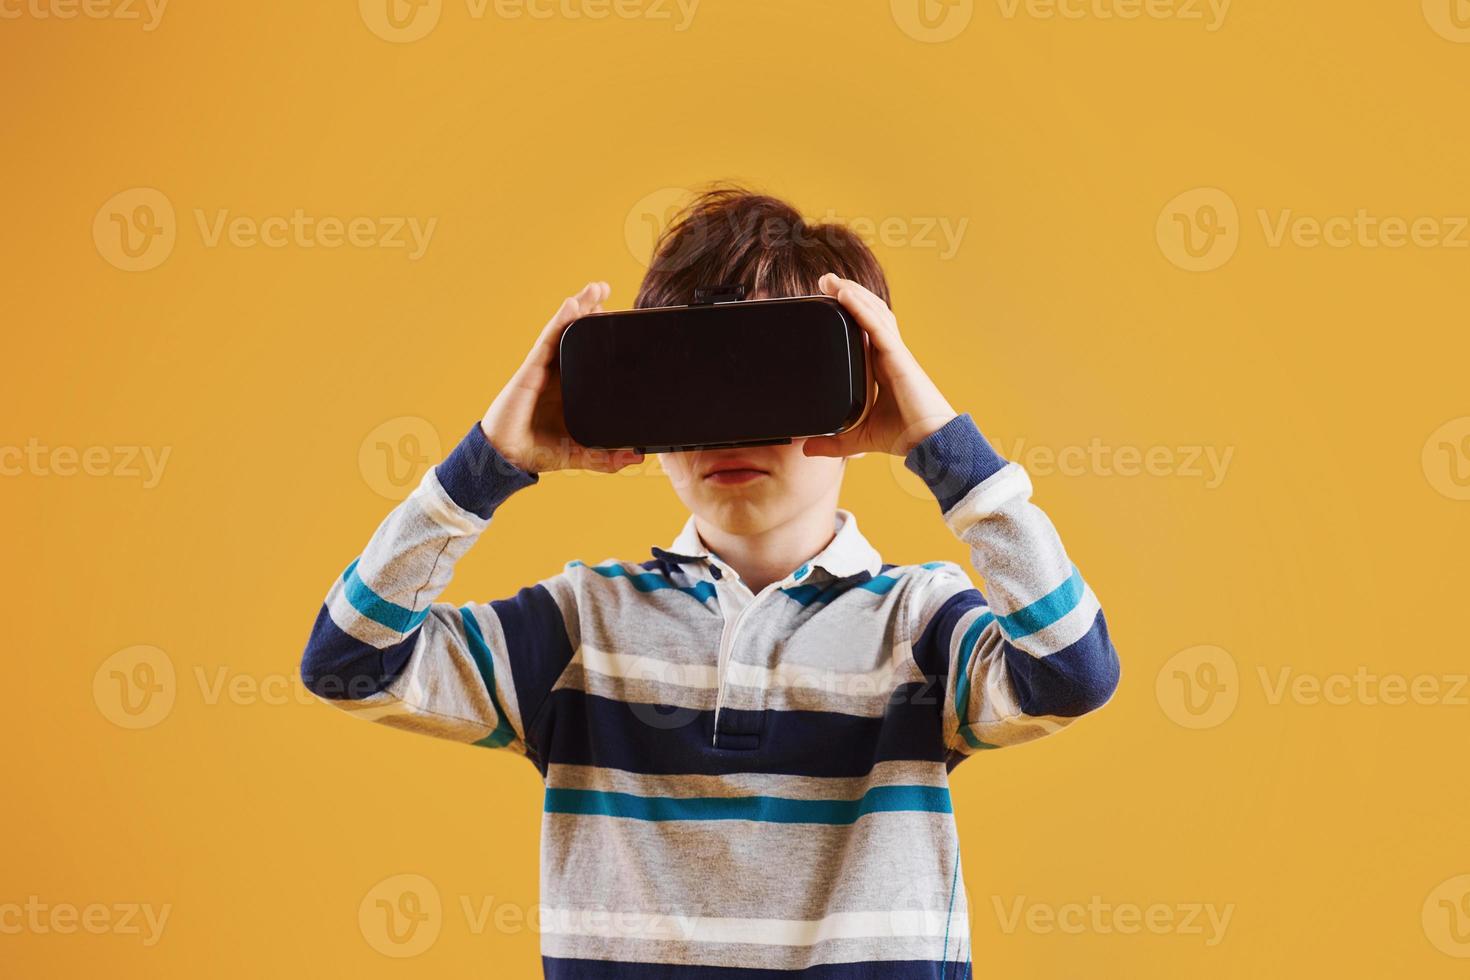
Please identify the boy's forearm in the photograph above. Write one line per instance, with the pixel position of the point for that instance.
(366, 629)
(1056, 644)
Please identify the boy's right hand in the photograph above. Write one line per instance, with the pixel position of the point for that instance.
(525, 422)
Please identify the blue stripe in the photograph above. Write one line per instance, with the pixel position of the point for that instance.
(954, 460)
(340, 667)
(580, 729)
(650, 581)
(805, 595)
(375, 607)
(1073, 681)
(761, 809)
(968, 643)
(477, 477)
(1046, 610)
(537, 648)
(480, 650)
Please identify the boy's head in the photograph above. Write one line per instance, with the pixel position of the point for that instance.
(730, 236)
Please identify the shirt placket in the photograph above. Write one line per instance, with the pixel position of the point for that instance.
(740, 728)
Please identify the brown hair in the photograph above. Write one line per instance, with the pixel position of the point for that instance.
(729, 236)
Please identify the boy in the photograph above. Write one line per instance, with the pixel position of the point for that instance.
(745, 739)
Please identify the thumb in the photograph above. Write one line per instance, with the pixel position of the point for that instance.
(828, 446)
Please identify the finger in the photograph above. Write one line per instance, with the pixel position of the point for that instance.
(591, 295)
(544, 350)
(840, 445)
(872, 314)
(603, 460)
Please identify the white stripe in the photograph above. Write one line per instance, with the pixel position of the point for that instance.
(788, 676)
(660, 927)
(440, 508)
(784, 676)
(633, 667)
(371, 708)
(990, 495)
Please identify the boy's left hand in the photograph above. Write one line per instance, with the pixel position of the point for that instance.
(908, 406)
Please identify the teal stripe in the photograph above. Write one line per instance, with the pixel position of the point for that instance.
(954, 882)
(761, 809)
(962, 683)
(480, 650)
(1046, 610)
(880, 583)
(375, 607)
(650, 581)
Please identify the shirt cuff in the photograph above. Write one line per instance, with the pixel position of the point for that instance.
(953, 460)
(477, 477)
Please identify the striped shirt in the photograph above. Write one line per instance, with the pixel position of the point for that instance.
(738, 785)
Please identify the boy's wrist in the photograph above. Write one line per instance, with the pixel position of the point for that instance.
(953, 460)
(477, 477)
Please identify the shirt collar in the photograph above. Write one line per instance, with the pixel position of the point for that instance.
(848, 553)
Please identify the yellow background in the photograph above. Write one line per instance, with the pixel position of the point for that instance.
(1333, 543)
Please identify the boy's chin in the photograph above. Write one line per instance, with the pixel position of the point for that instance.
(740, 513)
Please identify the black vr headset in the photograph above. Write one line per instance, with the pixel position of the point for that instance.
(716, 374)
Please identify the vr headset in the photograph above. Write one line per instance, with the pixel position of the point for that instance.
(719, 373)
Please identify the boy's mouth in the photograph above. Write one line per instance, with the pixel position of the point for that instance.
(730, 472)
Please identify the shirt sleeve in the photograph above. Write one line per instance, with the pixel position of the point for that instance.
(1034, 654)
(385, 650)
